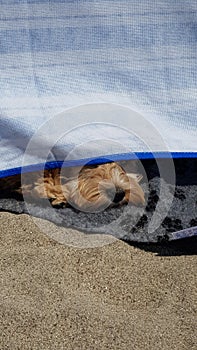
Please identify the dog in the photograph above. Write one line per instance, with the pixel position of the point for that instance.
(95, 187)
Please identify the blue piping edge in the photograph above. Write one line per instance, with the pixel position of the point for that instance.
(97, 160)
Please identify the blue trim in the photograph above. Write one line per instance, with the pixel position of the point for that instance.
(98, 160)
(186, 233)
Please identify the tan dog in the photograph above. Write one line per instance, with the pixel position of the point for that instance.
(95, 187)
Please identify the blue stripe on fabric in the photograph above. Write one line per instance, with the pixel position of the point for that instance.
(106, 80)
(76, 2)
(113, 16)
(13, 2)
(108, 15)
(96, 37)
(98, 160)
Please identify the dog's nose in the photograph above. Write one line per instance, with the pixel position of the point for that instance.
(119, 195)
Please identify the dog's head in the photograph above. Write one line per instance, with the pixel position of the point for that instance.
(105, 185)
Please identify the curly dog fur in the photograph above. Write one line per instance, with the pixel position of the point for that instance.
(94, 187)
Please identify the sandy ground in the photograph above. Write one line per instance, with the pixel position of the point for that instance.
(111, 296)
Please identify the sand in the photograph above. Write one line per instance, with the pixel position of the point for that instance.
(111, 296)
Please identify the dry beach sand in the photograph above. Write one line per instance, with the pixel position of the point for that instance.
(110, 296)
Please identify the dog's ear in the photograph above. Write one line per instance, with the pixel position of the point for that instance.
(137, 177)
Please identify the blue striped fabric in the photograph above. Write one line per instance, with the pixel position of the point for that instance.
(56, 55)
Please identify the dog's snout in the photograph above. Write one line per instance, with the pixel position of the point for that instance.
(119, 195)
